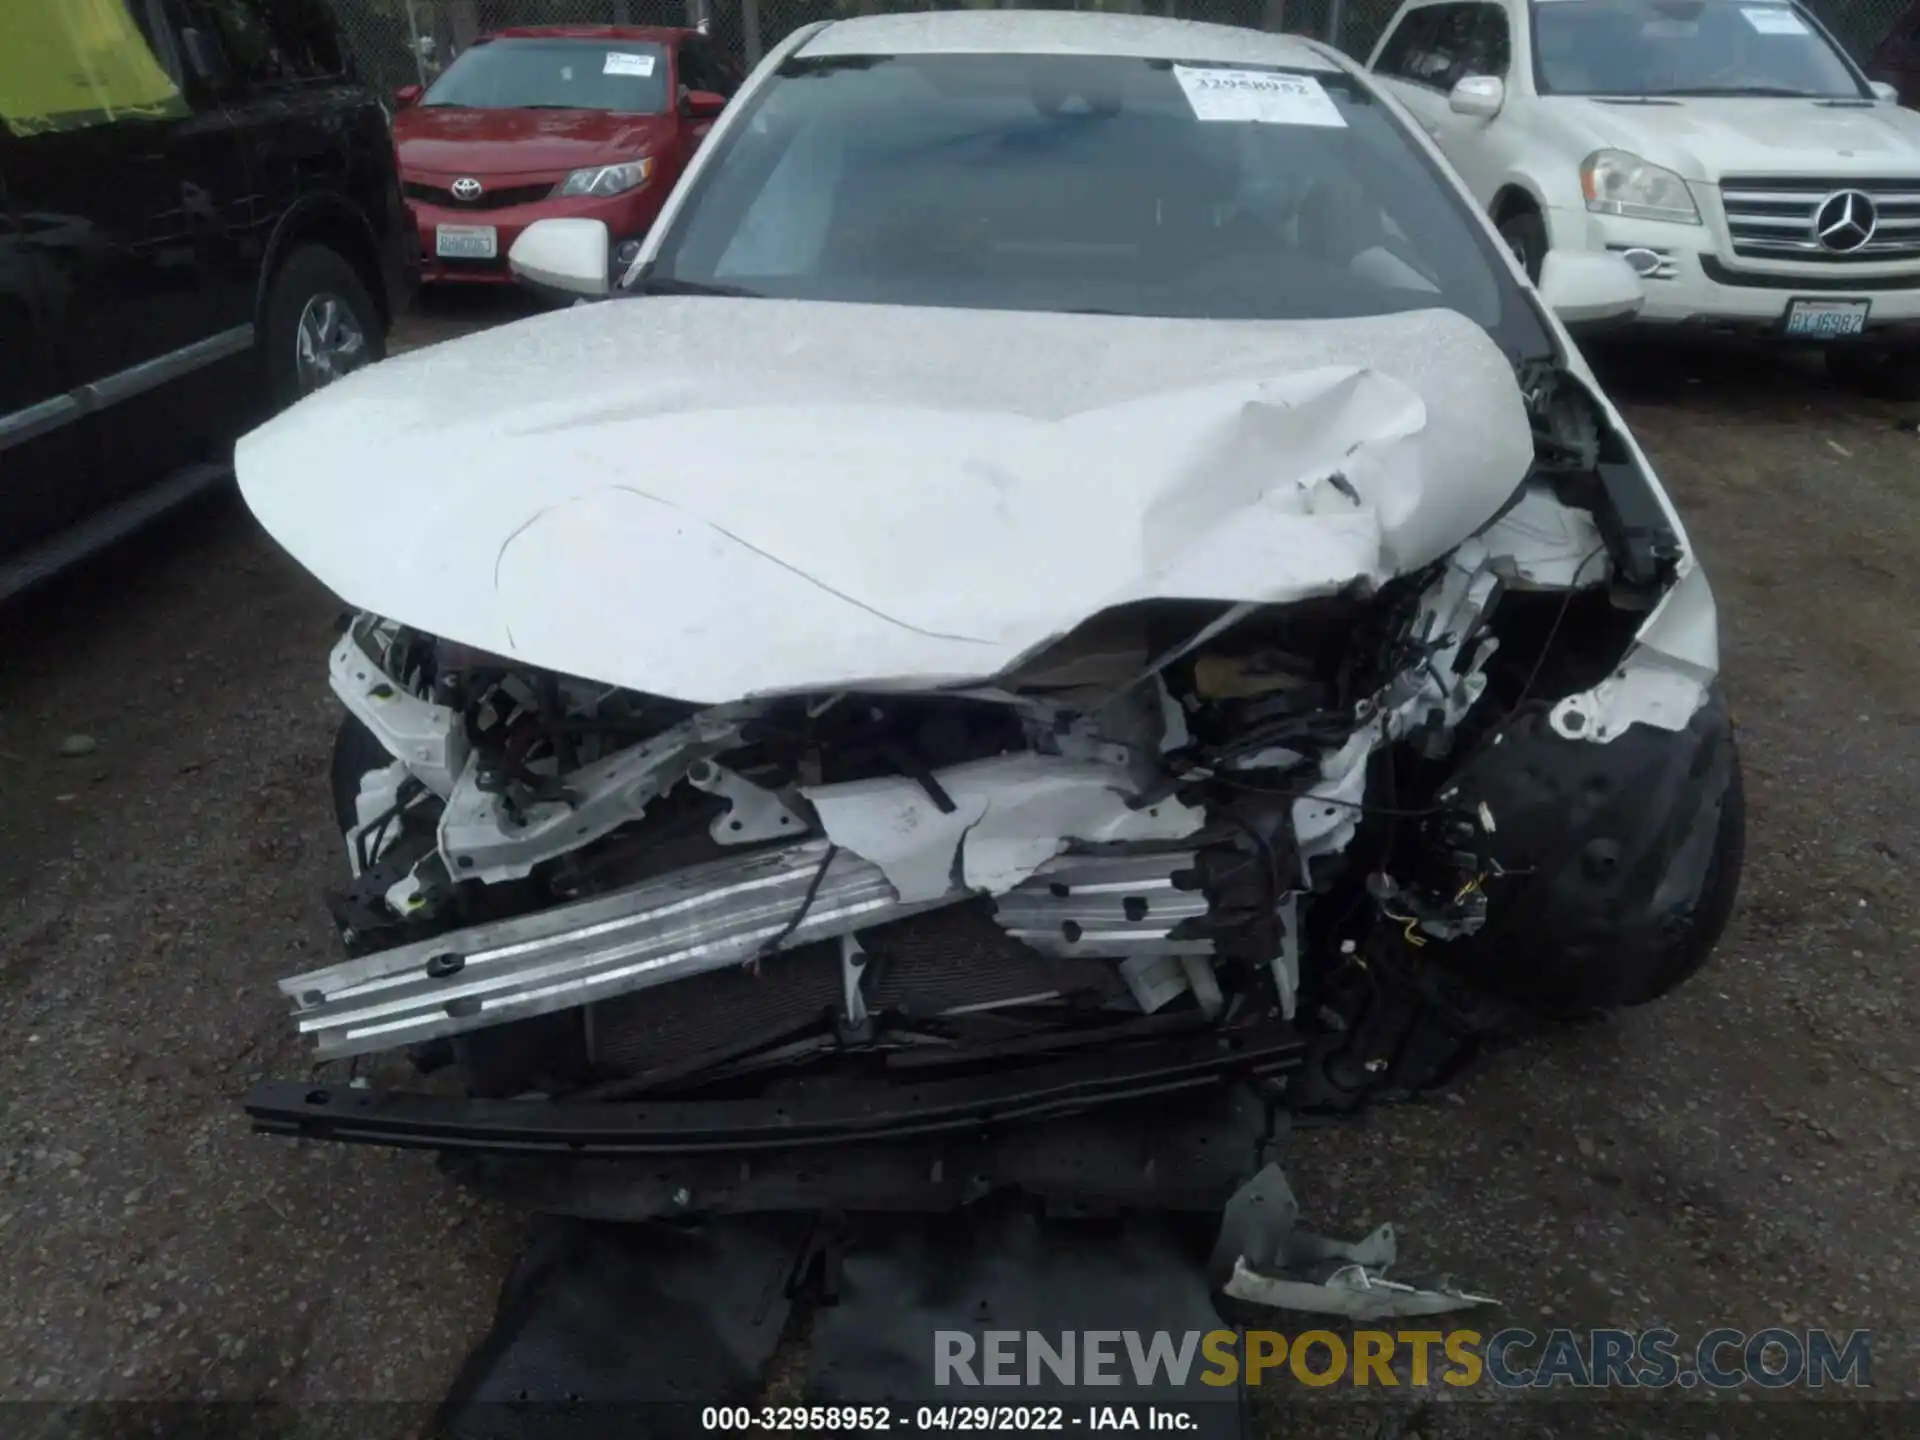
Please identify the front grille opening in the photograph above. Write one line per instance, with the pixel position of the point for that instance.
(489, 199)
(1774, 218)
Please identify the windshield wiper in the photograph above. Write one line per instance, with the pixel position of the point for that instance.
(667, 285)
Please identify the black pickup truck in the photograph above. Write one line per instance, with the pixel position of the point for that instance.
(200, 221)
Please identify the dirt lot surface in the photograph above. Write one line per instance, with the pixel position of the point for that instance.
(1743, 1154)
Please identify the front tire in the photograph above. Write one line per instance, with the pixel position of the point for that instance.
(319, 323)
(1526, 236)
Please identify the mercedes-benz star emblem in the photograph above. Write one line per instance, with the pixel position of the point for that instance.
(468, 188)
(1845, 221)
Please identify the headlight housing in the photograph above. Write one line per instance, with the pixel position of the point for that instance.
(1617, 182)
(605, 180)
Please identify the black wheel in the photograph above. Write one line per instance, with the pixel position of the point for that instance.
(1526, 235)
(319, 324)
(1877, 369)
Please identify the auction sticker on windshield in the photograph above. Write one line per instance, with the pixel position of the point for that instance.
(1262, 97)
(621, 63)
(1774, 20)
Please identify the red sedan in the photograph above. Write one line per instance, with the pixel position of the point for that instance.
(594, 121)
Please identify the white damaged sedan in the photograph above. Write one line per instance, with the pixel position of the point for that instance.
(1073, 571)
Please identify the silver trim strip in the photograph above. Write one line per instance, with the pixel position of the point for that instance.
(151, 374)
(47, 415)
(37, 419)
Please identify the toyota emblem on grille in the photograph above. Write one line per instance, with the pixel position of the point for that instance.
(468, 188)
(1845, 220)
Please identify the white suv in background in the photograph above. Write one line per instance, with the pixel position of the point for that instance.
(1728, 149)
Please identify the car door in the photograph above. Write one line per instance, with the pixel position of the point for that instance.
(697, 68)
(1480, 147)
(1428, 53)
(112, 216)
(40, 459)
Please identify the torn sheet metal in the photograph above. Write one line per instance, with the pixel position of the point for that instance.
(1351, 1291)
(1006, 817)
(753, 812)
(1447, 684)
(1262, 1256)
(429, 739)
(1665, 678)
(1119, 905)
(795, 496)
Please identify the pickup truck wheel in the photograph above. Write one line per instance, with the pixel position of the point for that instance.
(1882, 371)
(1526, 235)
(319, 323)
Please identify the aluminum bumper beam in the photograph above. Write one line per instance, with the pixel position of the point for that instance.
(686, 923)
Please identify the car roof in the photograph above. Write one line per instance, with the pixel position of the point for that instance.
(657, 34)
(1062, 32)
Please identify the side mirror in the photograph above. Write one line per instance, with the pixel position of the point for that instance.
(1480, 96)
(1883, 91)
(1584, 289)
(205, 58)
(406, 95)
(704, 104)
(570, 256)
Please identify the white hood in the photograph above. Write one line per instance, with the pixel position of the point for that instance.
(714, 498)
(1708, 138)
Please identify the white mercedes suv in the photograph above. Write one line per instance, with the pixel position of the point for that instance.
(1730, 150)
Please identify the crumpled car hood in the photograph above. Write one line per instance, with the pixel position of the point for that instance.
(710, 498)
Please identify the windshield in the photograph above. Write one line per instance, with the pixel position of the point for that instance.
(1078, 183)
(621, 75)
(1685, 47)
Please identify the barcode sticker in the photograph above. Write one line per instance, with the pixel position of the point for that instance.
(1260, 97)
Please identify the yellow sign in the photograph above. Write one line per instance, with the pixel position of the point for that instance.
(68, 64)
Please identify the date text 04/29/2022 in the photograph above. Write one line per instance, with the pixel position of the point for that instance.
(961, 1419)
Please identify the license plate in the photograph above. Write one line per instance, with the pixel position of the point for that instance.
(467, 242)
(1827, 319)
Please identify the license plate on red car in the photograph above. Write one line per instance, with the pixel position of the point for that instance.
(467, 242)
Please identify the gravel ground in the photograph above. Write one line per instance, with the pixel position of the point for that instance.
(1743, 1154)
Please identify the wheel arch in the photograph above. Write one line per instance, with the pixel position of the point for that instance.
(1516, 195)
(334, 222)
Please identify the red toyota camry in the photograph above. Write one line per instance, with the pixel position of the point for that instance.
(594, 121)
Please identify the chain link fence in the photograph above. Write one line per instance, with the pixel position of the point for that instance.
(401, 42)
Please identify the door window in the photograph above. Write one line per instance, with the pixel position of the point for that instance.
(271, 43)
(1451, 43)
(78, 64)
(699, 71)
(1409, 41)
